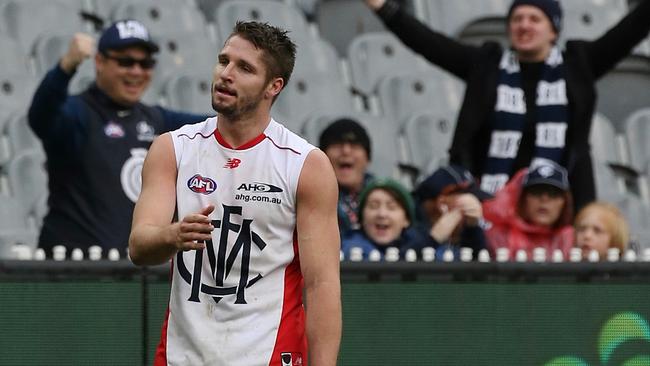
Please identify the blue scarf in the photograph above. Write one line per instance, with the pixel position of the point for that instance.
(509, 118)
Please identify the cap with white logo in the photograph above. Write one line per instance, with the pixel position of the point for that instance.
(126, 33)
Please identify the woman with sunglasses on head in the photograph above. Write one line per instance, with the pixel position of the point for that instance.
(96, 141)
(534, 209)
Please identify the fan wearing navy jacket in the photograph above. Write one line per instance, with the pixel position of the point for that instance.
(96, 142)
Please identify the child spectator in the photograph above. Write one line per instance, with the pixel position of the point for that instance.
(600, 226)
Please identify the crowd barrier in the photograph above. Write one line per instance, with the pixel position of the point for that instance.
(110, 313)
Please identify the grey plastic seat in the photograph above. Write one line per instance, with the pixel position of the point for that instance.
(605, 145)
(485, 29)
(14, 228)
(637, 135)
(26, 20)
(385, 160)
(186, 51)
(310, 93)
(28, 178)
(340, 21)
(317, 56)
(16, 90)
(162, 16)
(632, 76)
(372, 56)
(589, 19)
(20, 135)
(274, 12)
(14, 58)
(637, 214)
(401, 96)
(427, 137)
(451, 17)
(190, 92)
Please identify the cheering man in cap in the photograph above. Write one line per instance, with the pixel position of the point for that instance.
(530, 103)
(96, 142)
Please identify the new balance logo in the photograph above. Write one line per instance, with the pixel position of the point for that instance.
(232, 163)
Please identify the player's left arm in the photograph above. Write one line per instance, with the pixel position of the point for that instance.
(319, 246)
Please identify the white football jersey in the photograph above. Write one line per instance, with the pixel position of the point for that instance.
(238, 301)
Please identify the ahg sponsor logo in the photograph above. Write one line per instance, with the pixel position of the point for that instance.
(200, 184)
(259, 188)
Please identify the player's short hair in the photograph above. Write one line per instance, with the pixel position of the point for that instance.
(279, 51)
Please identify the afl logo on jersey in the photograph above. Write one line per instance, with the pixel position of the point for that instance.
(200, 184)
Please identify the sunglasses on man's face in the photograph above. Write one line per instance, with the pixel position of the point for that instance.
(126, 61)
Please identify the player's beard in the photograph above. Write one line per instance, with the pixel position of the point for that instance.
(242, 106)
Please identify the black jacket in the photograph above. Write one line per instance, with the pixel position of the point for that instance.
(586, 62)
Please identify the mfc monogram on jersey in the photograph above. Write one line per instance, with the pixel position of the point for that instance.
(221, 260)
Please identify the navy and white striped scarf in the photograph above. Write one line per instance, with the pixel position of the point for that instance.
(509, 118)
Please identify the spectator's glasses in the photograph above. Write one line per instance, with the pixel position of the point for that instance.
(128, 62)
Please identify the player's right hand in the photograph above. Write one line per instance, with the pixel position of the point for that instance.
(194, 230)
(81, 47)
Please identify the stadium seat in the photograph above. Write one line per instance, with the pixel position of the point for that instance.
(589, 19)
(318, 56)
(16, 90)
(609, 185)
(14, 228)
(14, 58)
(189, 92)
(186, 51)
(605, 145)
(451, 17)
(340, 21)
(485, 29)
(372, 56)
(637, 213)
(637, 135)
(20, 135)
(385, 160)
(311, 93)
(28, 181)
(632, 75)
(161, 16)
(427, 137)
(26, 20)
(400, 96)
(274, 12)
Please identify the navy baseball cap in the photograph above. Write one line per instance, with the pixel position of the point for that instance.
(547, 174)
(449, 179)
(126, 33)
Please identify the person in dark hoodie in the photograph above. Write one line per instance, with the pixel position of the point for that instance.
(95, 142)
(531, 102)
